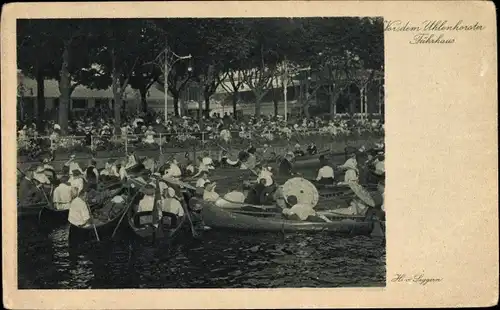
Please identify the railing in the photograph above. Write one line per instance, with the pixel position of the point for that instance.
(119, 145)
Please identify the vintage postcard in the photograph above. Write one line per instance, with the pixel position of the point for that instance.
(237, 154)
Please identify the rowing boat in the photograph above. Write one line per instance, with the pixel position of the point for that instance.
(223, 218)
(105, 220)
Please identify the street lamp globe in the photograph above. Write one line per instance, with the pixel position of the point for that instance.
(190, 69)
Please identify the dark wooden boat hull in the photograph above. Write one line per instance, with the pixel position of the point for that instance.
(218, 218)
(104, 230)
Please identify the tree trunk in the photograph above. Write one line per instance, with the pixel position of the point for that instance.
(40, 98)
(176, 103)
(235, 102)
(275, 104)
(144, 102)
(333, 103)
(258, 98)
(64, 89)
(206, 97)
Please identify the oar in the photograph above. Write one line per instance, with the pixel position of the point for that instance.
(93, 223)
(188, 214)
(123, 215)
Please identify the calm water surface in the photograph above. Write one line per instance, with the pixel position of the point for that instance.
(221, 260)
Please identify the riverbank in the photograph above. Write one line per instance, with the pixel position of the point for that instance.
(214, 151)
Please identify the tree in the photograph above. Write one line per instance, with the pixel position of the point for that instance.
(120, 45)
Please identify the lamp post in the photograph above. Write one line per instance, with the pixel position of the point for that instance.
(285, 80)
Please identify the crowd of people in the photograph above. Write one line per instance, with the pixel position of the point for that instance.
(149, 130)
(262, 186)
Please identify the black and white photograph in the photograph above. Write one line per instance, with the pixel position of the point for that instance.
(200, 153)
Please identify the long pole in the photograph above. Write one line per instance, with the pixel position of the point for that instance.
(285, 84)
(165, 78)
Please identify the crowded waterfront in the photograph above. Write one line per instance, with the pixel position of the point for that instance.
(224, 164)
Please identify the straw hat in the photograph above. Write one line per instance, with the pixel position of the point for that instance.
(56, 126)
(149, 190)
(297, 145)
(72, 156)
(170, 192)
(362, 194)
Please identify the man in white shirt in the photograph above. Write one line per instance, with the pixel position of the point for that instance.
(79, 213)
(147, 203)
(62, 194)
(171, 204)
(325, 173)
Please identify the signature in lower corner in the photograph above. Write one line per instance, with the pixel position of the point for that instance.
(418, 278)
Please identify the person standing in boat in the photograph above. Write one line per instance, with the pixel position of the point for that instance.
(62, 194)
(79, 212)
(147, 203)
(325, 173)
(170, 204)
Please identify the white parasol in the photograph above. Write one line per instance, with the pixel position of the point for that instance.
(362, 193)
(304, 190)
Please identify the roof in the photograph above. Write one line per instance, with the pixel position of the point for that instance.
(51, 89)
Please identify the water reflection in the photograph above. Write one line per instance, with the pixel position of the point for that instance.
(222, 259)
